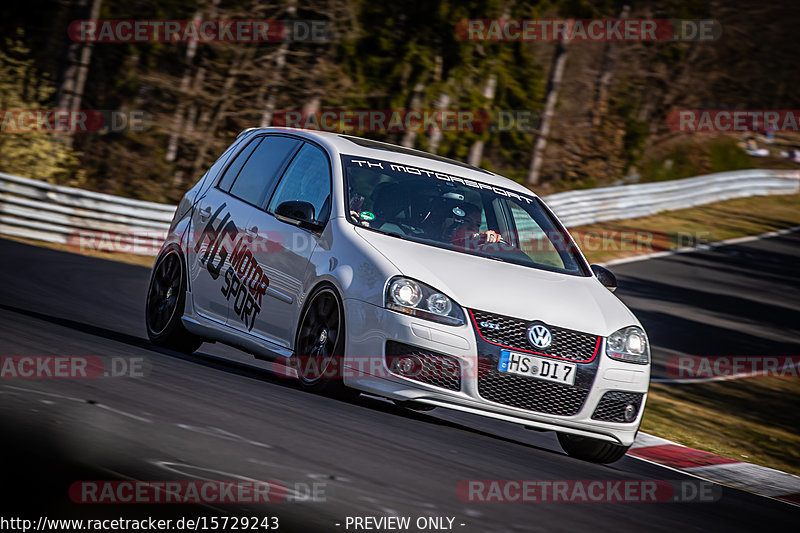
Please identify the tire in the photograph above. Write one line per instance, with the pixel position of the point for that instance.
(166, 298)
(592, 450)
(319, 347)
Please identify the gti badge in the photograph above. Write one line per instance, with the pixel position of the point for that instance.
(539, 336)
(490, 325)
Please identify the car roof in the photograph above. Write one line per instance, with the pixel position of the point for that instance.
(361, 147)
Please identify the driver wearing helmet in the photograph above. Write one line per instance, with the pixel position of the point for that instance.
(471, 226)
(469, 231)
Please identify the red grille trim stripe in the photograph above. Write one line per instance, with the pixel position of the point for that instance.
(596, 346)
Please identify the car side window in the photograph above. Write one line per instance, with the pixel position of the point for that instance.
(234, 168)
(307, 179)
(540, 244)
(220, 163)
(262, 168)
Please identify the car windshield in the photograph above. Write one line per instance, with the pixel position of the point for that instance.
(459, 214)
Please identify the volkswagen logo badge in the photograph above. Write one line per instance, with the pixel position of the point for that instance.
(539, 336)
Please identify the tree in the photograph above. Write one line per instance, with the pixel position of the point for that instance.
(36, 154)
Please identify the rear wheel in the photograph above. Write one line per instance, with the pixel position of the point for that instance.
(593, 450)
(166, 298)
(319, 351)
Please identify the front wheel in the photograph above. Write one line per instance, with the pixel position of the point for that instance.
(592, 450)
(319, 353)
(165, 301)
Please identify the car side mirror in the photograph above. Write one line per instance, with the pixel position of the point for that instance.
(605, 276)
(298, 213)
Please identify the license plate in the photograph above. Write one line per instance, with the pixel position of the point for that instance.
(537, 367)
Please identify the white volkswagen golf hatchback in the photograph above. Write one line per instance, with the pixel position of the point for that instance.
(356, 265)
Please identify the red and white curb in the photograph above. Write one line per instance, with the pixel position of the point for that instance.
(753, 478)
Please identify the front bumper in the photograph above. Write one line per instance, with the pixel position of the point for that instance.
(369, 327)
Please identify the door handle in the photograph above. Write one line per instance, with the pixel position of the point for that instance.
(205, 213)
(252, 233)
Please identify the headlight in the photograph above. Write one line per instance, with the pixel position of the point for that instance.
(405, 292)
(414, 298)
(630, 345)
(438, 304)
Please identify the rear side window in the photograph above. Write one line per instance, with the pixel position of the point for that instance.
(223, 159)
(235, 167)
(262, 168)
(307, 179)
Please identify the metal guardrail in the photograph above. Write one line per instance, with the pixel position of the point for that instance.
(588, 206)
(41, 211)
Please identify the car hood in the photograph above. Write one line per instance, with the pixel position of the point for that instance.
(573, 302)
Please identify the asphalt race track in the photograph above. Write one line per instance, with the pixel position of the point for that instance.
(202, 417)
(733, 300)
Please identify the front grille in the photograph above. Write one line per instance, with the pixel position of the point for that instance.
(513, 333)
(528, 393)
(436, 369)
(611, 407)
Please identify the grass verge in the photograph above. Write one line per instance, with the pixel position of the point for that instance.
(669, 230)
(754, 420)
